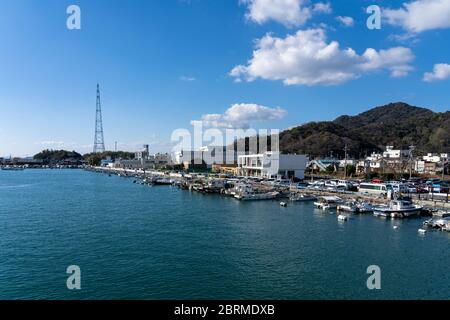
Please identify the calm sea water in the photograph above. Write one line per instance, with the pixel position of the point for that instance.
(137, 242)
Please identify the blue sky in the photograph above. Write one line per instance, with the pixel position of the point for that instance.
(163, 63)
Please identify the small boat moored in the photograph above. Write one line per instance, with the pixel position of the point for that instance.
(397, 209)
(301, 197)
(327, 203)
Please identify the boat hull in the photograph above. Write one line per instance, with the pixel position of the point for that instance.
(388, 213)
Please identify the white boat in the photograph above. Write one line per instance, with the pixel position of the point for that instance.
(364, 207)
(349, 206)
(327, 203)
(301, 197)
(247, 193)
(397, 209)
(256, 196)
(342, 217)
(283, 204)
(422, 231)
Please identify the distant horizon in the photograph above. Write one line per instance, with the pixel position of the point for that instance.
(162, 65)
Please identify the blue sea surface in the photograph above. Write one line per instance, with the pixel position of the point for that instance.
(139, 242)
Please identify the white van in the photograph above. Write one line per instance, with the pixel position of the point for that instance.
(373, 188)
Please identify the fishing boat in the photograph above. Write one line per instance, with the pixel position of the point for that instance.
(364, 207)
(349, 206)
(13, 168)
(162, 181)
(257, 196)
(354, 206)
(247, 193)
(397, 209)
(301, 197)
(327, 203)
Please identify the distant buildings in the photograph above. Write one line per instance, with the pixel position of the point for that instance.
(142, 154)
(395, 154)
(142, 160)
(206, 158)
(432, 163)
(389, 161)
(223, 160)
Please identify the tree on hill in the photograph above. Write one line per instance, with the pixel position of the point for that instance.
(49, 156)
(94, 159)
(397, 124)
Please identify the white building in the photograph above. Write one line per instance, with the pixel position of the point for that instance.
(391, 153)
(419, 166)
(273, 165)
(142, 154)
(348, 162)
(431, 157)
(374, 160)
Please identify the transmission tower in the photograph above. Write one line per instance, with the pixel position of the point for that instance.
(99, 142)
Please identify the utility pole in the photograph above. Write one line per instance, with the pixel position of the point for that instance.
(444, 164)
(411, 149)
(345, 162)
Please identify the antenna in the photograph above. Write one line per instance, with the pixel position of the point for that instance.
(99, 142)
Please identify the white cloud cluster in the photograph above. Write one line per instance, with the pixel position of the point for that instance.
(346, 21)
(51, 143)
(420, 15)
(290, 13)
(242, 115)
(441, 71)
(322, 7)
(306, 58)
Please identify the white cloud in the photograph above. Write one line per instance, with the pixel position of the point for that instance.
(51, 143)
(322, 7)
(441, 71)
(187, 78)
(291, 13)
(346, 21)
(395, 60)
(306, 58)
(242, 115)
(420, 15)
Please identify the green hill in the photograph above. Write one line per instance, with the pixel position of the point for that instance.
(397, 124)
